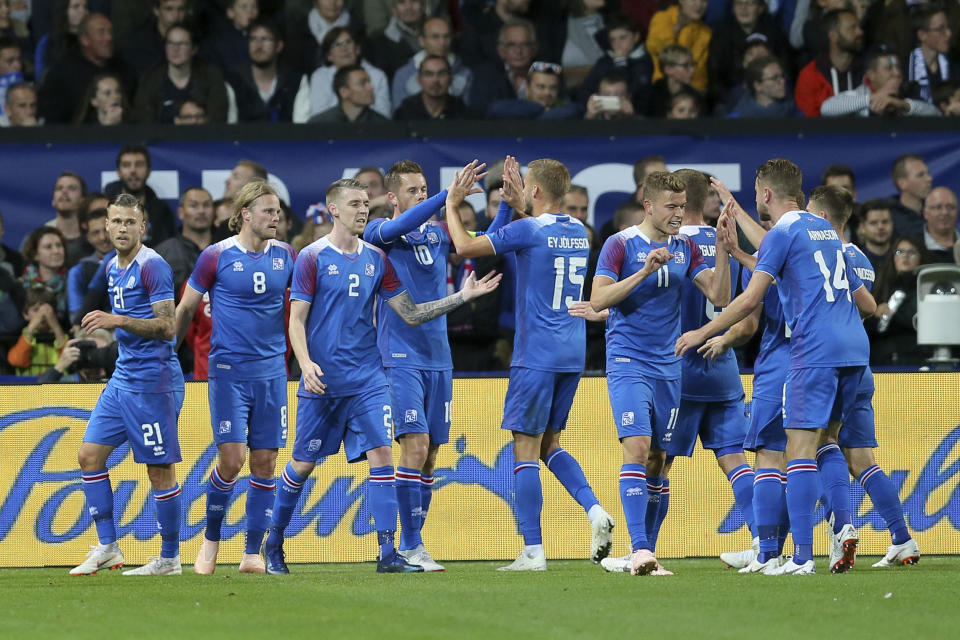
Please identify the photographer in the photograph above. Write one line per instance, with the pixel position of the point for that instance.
(88, 359)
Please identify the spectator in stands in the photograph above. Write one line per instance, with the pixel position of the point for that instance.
(305, 38)
(837, 70)
(190, 112)
(436, 40)
(341, 50)
(31, 356)
(626, 56)
(808, 29)
(400, 39)
(576, 203)
(133, 170)
(434, 101)
(755, 48)
(11, 26)
(681, 25)
(678, 67)
(504, 76)
(263, 91)
(10, 259)
(11, 67)
(145, 48)
(227, 45)
(182, 250)
(494, 197)
(12, 295)
(20, 108)
(68, 193)
(940, 228)
(627, 215)
(105, 102)
(352, 86)
(542, 97)
(376, 189)
(62, 41)
(684, 105)
(712, 205)
(71, 368)
(768, 92)
(377, 13)
(840, 175)
(482, 35)
(644, 167)
(927, 65)
(245, 171)
(879, 95)
(946, 97)
(80, 274)
(45, 255)
(748, 22)
(66, 82)
(182, 76)
(599, 105)
(894, 338)
(81, 247)
(913, 181)
(875, 230)
(581, 49)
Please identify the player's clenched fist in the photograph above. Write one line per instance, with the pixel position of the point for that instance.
(656, 259)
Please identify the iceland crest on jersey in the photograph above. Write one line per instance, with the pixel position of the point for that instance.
(369, 270)
(278, 264)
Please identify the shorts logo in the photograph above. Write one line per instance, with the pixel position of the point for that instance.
(93, 511)
(158, 451)
(641, 256)
(433, 238)
(314, 445)
(332, 270)
(238, 266)
(681, 258)
(278, 264)
(225, 427)
(369, 270)
(410, 415)
(215, 507)
(626, 418)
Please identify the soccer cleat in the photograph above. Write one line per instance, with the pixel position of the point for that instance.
(419, 557)
(602, 540)
(206, 561)
(616, 565)
(272, 552)
(792, 569)
(756, 566)
(536, 561)
(843, 551)
(899, 554)
(741, 559)
(252, 563)
(395, 563)
(101, 556)
(642, 562)
(661, 571)
(158, 567)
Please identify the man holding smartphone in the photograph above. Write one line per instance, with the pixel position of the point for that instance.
(612, 99)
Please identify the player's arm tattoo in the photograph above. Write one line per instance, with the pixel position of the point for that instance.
(414, 314)
(159, 327)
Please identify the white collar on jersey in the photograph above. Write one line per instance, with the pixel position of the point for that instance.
(325, 242)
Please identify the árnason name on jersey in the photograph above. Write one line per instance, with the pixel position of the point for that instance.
(823, 234)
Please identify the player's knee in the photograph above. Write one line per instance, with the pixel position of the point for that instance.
(89, 459)
(431, 462)
(635, 451)
(414, 450)
(263, 463)
(230, 466)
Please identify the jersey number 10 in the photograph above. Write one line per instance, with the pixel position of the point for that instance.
(567, 269)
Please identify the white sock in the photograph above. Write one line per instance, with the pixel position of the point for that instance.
(532, 549)
(595, 512)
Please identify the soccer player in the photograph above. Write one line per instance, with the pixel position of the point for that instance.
(549, 347)
(828, 346)
(640, 277)
(246, 276)
(343, 394)
(417, 358)
(142, 401)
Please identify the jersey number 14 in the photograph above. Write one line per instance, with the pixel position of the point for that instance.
(840, 282)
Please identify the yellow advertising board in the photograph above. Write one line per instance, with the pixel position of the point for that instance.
(43, 521)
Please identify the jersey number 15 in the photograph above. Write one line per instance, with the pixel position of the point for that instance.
(566, 269)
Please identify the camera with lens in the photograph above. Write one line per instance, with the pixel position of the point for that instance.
(94, 357)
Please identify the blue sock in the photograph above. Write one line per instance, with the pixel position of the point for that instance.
(886, 501)
(219, 491)
(741, 479)
(784, 529)
(661, 512)
(836, 483)
(288, 495)
(767, 496)
(568, 472)
(99, 495)
(529, 497)
(426, 497)
(408, 499)
(654, 491)
(259, 503)
(168, 520)
(801, 501)
(633, 495)
(382, 493)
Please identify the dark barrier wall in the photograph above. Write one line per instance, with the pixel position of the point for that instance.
(303, 160)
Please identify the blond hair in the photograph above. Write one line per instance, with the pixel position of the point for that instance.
(550, 175)
(657, 182)
(245, 197)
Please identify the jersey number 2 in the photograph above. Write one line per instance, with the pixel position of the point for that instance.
(567, 269)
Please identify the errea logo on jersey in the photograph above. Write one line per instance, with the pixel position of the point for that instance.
(278, 264)
(641, 256)
(369, 270)
(238, 266)
(332, 270)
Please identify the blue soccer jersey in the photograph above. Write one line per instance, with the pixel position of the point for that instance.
(643, 328)
(552, 252)
(144, 364)
(773, 358)
(247, 291)
(341, 289)
(804, 254)
(706, 380)
(860, 264)
(420, 258)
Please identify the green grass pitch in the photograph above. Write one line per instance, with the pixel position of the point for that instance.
(573, 599)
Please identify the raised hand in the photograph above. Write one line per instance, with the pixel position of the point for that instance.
(473, 288)
(512, 190)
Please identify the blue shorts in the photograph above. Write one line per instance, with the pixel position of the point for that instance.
(644, 406)
(766, 426)
(421, 402)
(719, 424)
(858, 430)
(815, 397)
(251, 411)
(537, 400)
(361, 422)
(147, 420)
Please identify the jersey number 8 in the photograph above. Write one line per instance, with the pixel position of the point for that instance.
(259, 282)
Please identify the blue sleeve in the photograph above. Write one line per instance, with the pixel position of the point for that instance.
(304, 282)
(772, 254)
(157, 277)
(504, 216)
(516, 235)
(611, 258)
(387, 231)
(75, 292)
(99, 280)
